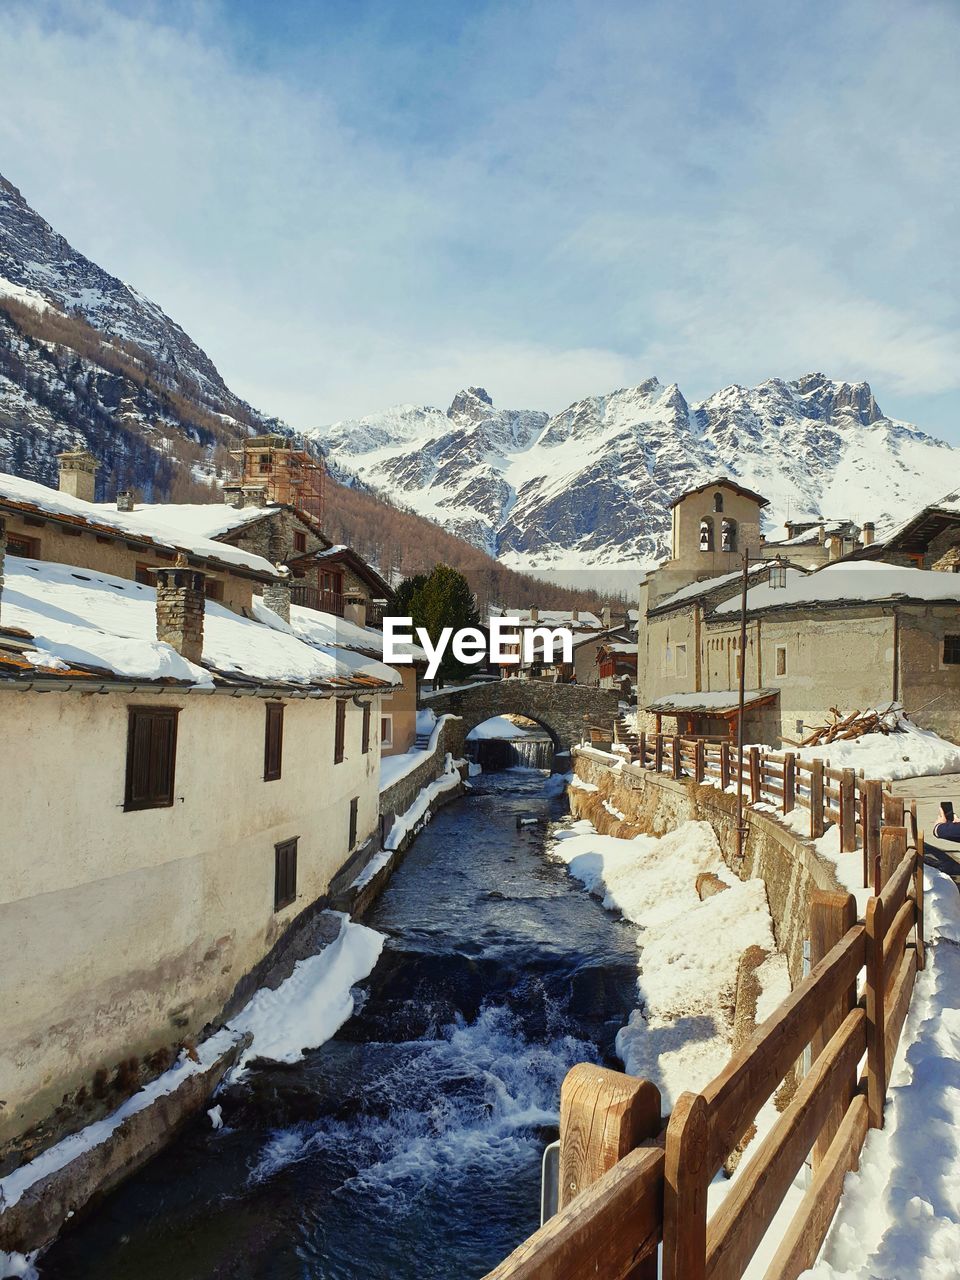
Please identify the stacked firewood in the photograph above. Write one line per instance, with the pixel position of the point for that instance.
(841, 728)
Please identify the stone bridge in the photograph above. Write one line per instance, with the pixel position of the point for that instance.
(560, 709)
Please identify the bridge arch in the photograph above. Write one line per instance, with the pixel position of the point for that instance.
(560, 709)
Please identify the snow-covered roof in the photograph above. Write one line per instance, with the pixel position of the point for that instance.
(196, 519)
(811, 535)
(717, 701)
(721, 482)
(706, 586)
(554, 618)
(315, 627)
(69, 618)
(33, 498)
(851, 582)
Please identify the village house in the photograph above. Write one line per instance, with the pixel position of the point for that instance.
(224, 782)
(583, 625)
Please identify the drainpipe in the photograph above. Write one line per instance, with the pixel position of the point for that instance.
(896, 655)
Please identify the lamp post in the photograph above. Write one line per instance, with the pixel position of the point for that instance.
(777, 578)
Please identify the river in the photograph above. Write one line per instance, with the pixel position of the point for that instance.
(410, 1144)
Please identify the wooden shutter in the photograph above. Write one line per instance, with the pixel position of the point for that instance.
(285, 874)
(273, 742)
(340, 732)
(353, 821)
(151, 757)
(365, 742)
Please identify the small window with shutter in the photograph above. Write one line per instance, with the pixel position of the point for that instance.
(340, 732)
(285, 874)
(151, 757)
(273, 742)
(365, 735)
(354, 805)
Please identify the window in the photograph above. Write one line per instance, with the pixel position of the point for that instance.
(151, 757)
(718, 502)
(300, 541)
(681, 659)
(951, 650)
(706, 534)
(339, 733)
(284, 874)
(728, 535)
(213, 589)
(19, 545)
(144, 574)
(273, 742)
(365, 734)
(354, 805)
(781, 660)
(386, 731)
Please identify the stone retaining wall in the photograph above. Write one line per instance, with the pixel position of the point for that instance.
(654, 804)
(400, 796)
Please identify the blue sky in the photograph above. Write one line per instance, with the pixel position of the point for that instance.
(357, 204)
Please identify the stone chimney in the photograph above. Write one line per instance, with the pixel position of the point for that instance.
(126, 501)
(276, 596)
(822, 534)
(180, 606)
(575, 615)
(78, 473)
(534, 613)
(355, 611)
(835, 546)
(605, 616)
(868, 533)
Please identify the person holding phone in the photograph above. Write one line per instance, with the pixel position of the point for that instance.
(947, 828)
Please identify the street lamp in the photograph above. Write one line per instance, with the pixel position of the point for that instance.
(777, 578)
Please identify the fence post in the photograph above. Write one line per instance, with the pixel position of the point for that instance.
(831, 915)
(724, 765)
(893, 847)
(698, 760)
(816, 799)
(756, 793)
(872, 802)
(658, 753)
(876, 1022)
(677, 762)
(789, 782)
(921, 946)
(848, 811)
(642, 748)
(685, 1183)
(893, 810)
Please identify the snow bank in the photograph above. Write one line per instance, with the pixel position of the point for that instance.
(908, 754)
(681, 1035)
(393, 768)
(497, 727)
(313, 1003)
(406, 822)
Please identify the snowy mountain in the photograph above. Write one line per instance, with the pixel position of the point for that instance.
(87, 360)
(591, 485)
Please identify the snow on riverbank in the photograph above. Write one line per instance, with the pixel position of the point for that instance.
(313, 1003)
(407, 821)
(681, 1035)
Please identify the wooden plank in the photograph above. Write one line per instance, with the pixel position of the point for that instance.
(698, 761)
(789, 782)
(895, 942)
(747, 1081)
(921, 944)
(816, 800)
(685, 1181)
(831, 916)
(642, 749)
(756, 791)
(898, 1003)
(609, 1230)
(675, 757)
(724, 765)
(658, 753)
(872, 799)
(807, 1231)
(893, 810)
(876, 1039)
(848, 811)
(894, 890)
(603, 1115)
(891, 852)
(742, 1220)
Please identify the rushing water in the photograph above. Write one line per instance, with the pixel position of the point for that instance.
(410, 1144)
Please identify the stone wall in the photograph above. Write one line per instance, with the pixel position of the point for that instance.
(399, 797)
(655, 804)
(560, 708)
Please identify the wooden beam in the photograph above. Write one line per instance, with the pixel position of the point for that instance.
(876, 1036)
(685, 1181)
(831, 916)
(603, 1115)
(816, 799)
(848, 811)
(789, 782)
(921, 944)
(892, 850)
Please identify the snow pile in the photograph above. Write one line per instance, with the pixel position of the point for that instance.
(850, 582)
(407, 822)
(313, 1003)
(681, 1035)
(393, 768)
(13, 1186)
(426, 719)
(497, 727)
(900, 1213)
(86, 618)
(909, 753)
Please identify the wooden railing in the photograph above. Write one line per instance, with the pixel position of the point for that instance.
(858, 805)
(627, 1185)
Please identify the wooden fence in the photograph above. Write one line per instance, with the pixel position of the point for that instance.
(859, 806)
(628, 1184)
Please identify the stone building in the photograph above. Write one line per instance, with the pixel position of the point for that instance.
(186, 786)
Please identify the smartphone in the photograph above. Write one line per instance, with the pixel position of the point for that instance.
(947, 806)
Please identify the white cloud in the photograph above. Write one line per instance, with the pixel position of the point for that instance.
(564, 199)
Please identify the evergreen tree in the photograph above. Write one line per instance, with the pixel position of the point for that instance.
(404, 594)
(444, 599)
